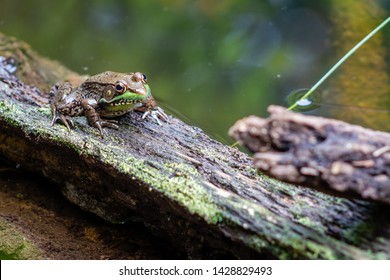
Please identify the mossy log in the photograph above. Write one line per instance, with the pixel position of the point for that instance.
(327, 154)
(182, 184)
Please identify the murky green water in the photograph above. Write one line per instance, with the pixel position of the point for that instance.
(214, 61)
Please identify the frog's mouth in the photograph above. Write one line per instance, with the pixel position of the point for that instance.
(124, 101)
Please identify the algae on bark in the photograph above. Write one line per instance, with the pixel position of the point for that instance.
(14, 245)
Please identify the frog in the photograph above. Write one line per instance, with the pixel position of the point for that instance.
(103, 97)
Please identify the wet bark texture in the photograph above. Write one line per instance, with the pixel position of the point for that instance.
(179, 182)
(317, 152)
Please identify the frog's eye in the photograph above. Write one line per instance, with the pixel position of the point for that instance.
(120, 87)
(144, 77)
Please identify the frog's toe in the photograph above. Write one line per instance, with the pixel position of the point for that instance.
(108, 123)
(156, 114)
(161, 114)
(98, 125)
(65, 120)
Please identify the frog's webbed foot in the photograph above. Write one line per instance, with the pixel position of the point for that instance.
(59, 117)
(93, 116)
(156, 114)
(99, 124)
(63, 88)
(150, 108)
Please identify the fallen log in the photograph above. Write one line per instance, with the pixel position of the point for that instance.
(317, 152)
(180, 183)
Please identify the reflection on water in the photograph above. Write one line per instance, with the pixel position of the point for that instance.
(312, 102)
(213, 61)
(363, 81)
(316, 104)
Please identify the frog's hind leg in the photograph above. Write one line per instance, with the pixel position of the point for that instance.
(58, 116)
(89, 105)
(64, 89)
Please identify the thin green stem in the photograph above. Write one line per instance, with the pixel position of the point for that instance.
(341, 61)
(234, 144)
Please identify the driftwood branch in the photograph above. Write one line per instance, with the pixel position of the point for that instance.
(317, 152)
(184, 185)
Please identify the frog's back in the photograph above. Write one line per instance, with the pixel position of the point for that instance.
(106, 78)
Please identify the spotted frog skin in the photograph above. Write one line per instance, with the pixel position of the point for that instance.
(104, 96)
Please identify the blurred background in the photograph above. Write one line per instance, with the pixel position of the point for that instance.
(212, 62)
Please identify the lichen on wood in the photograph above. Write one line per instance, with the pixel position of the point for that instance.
(14, 245)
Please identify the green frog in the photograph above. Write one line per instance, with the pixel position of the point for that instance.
(104, 96)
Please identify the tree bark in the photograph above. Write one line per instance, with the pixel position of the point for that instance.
(182, 184)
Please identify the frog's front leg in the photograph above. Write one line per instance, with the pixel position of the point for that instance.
(90, 105)
(150, 108)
